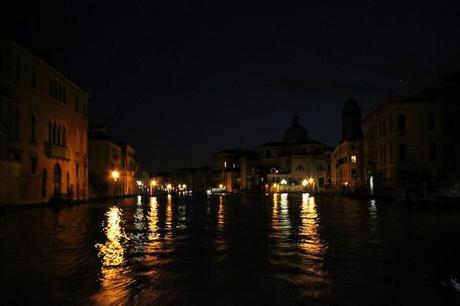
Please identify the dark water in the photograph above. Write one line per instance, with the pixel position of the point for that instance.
(232, 250)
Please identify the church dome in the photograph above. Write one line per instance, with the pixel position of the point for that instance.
(295, 133)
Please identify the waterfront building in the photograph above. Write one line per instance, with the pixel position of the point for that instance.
(112, 166)
(347, 156)
(43, 131)
(228, 168)
(197, 179)
(411, 142)
(287, 164)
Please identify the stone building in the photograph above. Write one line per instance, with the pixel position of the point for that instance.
(411, 142)
(43, 131)
(112, 165)
(291, 162)
(347, 156)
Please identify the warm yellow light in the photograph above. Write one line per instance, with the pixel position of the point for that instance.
(221, 186)
(311, 180)
(153, 182)
(115, 175)
(346, 183)
(353, 159)
(184, 186)
(304, 183)
(169, 186)
(283, 182)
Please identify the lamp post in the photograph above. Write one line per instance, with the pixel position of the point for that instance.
(311, 181)
(304, 184)
(115, 177)
(153, 183)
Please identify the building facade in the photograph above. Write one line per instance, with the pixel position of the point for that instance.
(347, 163)
(43, 131)
(411, 142)
(112, 166)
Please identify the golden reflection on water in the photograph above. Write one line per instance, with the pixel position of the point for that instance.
(169, 216)
(310, 240)
(115, 277)
(220, 214)
(154, 229)
(313, 248)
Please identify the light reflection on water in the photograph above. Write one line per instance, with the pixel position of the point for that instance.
(115, 274)
(243, 249)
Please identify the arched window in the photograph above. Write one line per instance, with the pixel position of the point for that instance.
(77, 140)
(57, 179)
(33, 128)
(402, 123)
(431, 121)
(55, 133)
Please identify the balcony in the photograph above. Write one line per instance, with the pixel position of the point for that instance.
(56, 151)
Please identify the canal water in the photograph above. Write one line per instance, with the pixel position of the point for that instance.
(231, 250)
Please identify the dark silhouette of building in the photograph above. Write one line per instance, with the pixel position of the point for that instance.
(351, 121)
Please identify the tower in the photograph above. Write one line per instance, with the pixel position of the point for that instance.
(351, 121)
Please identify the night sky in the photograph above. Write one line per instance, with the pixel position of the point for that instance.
(181, 80)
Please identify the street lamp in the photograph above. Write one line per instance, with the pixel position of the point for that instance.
(153, 183)
(284, 183)
(115, 176)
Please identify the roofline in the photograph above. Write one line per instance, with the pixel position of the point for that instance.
(42, 62)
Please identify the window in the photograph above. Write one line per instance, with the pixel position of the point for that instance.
(17, 124)
(64, 137)
(433, 152)
(33, 128)
(57, 90)
(402, 123)
(431, 122)
(402, 152)
(33, 165)
(50, 132)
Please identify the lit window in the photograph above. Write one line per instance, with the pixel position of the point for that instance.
(353, 159)
(225, 164)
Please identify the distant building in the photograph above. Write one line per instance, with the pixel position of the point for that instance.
(228, 168)
(292, 162)
(347, 170)
(412, 143)
(198, 179)
(43, 131)
(112, 166)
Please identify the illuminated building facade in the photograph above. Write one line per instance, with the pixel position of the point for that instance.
(108, 156)
(346, 165)
(43, 131)
(411, 141)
